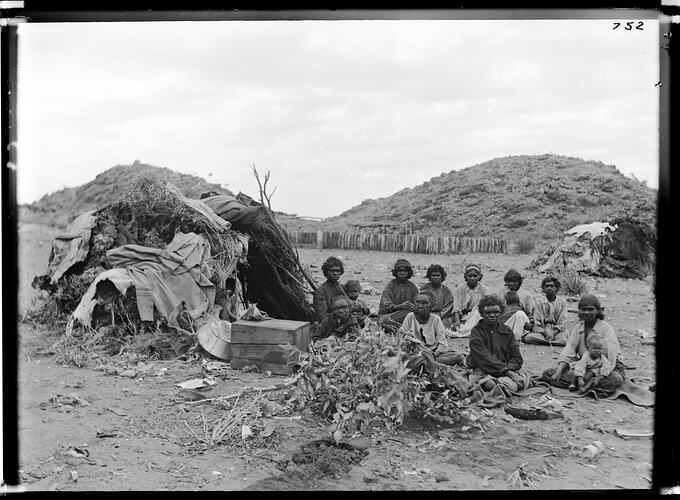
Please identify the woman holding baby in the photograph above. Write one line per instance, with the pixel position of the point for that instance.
(579, 366)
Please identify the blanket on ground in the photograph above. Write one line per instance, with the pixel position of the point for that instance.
(638, 395)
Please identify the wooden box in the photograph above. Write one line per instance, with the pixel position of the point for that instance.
(268, 344)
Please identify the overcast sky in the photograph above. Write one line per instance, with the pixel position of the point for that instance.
(338, 111)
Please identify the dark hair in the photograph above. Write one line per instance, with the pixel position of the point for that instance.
(429, 294)
(435, 268)
(330, 262)
(555, 281)
(337, 299)
(490, 300)
(352, 285)
(590, 300)
(209, 194)
(513, 275)
(402, 263)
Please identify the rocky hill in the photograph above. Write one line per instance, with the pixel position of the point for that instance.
(515, 197)
(107, 187)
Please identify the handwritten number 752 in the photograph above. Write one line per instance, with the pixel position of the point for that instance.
(629, 25)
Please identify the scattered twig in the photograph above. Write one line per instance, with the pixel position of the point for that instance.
(116, 412)
(418, 445)
(595, 467)
(247, 390)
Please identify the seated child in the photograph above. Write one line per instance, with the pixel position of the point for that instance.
(339, 322)
(357, 306)
(592, 366)
(429, 329)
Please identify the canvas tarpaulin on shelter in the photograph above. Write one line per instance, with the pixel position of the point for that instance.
(119, 277)
(579, 250)
(231, 209)
(623, 248)
(165, 277)
(71, 247)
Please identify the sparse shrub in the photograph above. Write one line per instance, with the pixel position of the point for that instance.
(524, 245)
(44, 312)
(80, 351)
(587, 201)
(515, 223)
(573, 283)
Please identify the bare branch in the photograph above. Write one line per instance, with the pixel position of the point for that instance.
(264, 197)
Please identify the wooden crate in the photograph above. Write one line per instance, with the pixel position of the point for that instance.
(269, 344)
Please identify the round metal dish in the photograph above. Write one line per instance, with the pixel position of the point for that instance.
(215, 338)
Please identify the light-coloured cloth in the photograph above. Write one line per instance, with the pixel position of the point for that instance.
(599, 366)
(121, 280)
(470, 321)
(516, 323)
(443, 300)
(594, 228)
(465, 297)
(431, 333)
(163, 278)
(576, 342)
(71, 247)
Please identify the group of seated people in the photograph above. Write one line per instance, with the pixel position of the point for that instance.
(496, 322)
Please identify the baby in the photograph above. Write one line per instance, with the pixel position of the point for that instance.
(357, 306)
(512, 305)
(592, 366)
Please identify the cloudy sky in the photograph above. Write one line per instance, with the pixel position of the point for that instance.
(338, 111)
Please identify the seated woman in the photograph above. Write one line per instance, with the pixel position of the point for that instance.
(332, 269)
(466, 298)
(339, 322)
(550, 316)
(494, 356)
(591, 321)
(521, 319)
(429, 329)
(443, 297)
(398, 298)
(358, 307)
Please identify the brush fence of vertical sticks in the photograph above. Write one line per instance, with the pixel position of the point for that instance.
(409, 243)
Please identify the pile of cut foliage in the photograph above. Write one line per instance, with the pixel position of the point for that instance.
(369, 381)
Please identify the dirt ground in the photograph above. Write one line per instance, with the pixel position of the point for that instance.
(134, 433)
